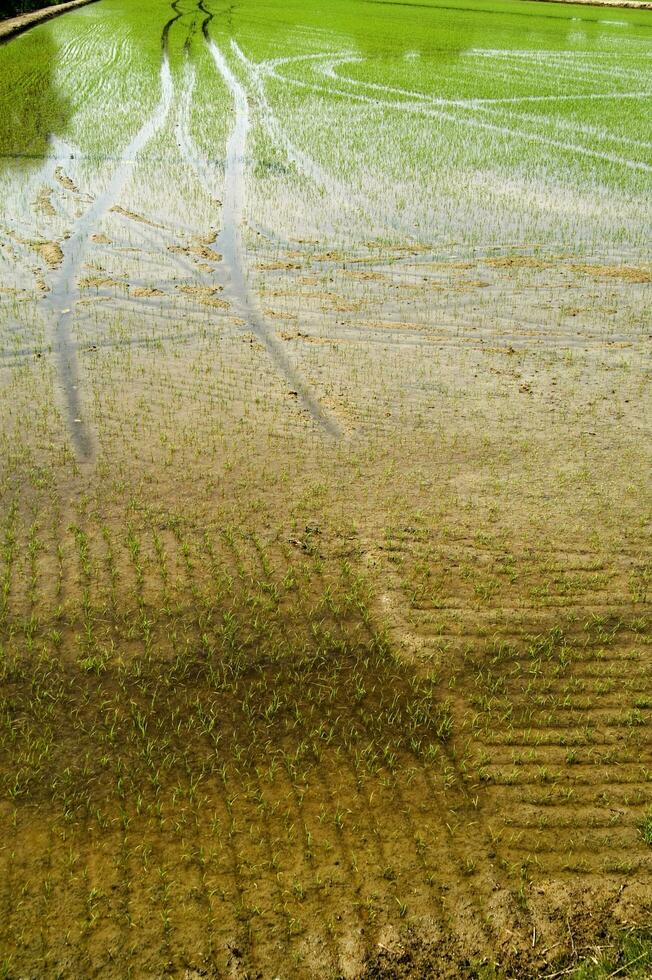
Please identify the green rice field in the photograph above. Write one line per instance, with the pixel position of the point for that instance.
(325, 500)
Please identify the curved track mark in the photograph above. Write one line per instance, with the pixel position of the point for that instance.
(65, 290)
(230, 244)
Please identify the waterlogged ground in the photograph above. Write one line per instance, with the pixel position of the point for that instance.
(324, 490)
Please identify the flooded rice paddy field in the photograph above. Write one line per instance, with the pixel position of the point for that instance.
(325, 560)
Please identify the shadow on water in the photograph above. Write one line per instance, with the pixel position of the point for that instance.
(32, 107)
(65, 290)
(32, 114)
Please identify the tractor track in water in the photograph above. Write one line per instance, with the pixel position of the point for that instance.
(350, 199)
(230, 243)
(65, 288)
(471, 122)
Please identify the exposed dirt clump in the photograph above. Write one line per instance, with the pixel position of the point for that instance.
(143, 292)
(364, 276)
(50, 252)
(217, 304)
(43, 202)
(196, 251)
(518, 262)
(200, 291)
(39, 281)
(90, 282)
(626, 273)
(277, 266)
(66, 182)
(117, 209)
(281, 315)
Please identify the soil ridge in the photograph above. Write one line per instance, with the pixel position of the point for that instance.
(16, 25)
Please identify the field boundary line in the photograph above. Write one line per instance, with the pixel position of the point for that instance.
(626, 4)
(16, 25)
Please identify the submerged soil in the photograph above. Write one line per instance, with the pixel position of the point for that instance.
(267, 711)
